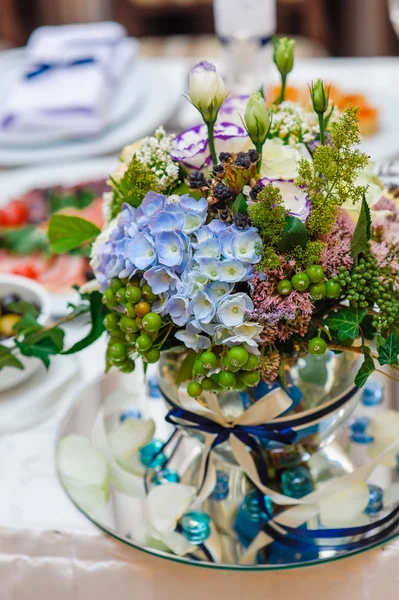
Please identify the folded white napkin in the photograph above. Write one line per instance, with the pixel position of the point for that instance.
(71, 75)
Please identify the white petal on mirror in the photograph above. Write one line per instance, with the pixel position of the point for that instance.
(345, 506)
(128, 437)
(166, 503)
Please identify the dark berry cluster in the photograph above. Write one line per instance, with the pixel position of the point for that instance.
(222, 192)
(246, 159)
(224, 157)
(255, 191)
(242, 220)
(196, 180)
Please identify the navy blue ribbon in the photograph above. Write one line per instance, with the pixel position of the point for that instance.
(303, 539)
(42, 68)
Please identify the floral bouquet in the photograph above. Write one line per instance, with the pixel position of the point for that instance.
(245, 244)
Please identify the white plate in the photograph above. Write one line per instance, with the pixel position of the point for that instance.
(126, 99)
(17, 182)
(20, 409)
(159, 100)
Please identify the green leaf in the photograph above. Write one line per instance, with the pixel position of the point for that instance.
(67, 233)
(346, 322)
(97, 314)
(51, 343)
(362, 233)
(23, 308)
(7, 359)
(388, 353)
(368, 329)
(24, 241)
(186, 368)
(366, 369)
(239, 205)
(294, 234)
(28, 324)
(80, 199)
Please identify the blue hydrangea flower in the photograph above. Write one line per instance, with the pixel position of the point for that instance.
(208, 249)
(177, 308)
(209, 268)
(202, 307)
(170, 248)
(161, 279)
(232, 309)
(152, 204)
(245, 246)
(141, 251)
(231, 270)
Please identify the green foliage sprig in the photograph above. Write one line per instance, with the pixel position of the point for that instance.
(330, 178)
(136, 182)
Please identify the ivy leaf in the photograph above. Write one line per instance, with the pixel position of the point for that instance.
(368, 329)
(67, 233)
(23, 308)
(239, 205)
(362, 233)
(186, 368)
(294, 234)
(7, 359)
(346, 322)
(97, 314)
(388, 353)
(27, 325)
(366, 369)
(51, 343)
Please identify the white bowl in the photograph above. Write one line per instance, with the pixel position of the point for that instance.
(32, 292)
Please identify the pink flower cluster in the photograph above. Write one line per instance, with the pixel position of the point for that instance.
(385, 238)
(338, 251)
(280, 316)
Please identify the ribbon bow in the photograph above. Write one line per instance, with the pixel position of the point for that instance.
(42, 68)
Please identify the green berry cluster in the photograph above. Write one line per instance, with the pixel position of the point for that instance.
(133, 328)
(311, 280)
(235, 370)
(366, 287)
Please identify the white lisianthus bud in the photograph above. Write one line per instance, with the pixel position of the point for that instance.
(257, 119)
(284, 54)
(320, 97)
(207, 90)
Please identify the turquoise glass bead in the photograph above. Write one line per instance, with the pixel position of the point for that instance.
(251, 516)
(196, 526)
(151, 455)
(166, 476)
(221, 489)
(373, 393)
(296, 482)
(358, 431)
(376, 499)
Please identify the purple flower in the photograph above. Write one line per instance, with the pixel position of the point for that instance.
(191, 146)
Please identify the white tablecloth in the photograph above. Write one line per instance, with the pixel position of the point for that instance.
(48, 550)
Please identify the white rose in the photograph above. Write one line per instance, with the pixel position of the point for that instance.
(280, 161)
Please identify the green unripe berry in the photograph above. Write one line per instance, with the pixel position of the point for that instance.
(128, 325)
(240, 384)
(152, 322)
(148, 293)
(237, 356)
(300, 282)
(131, 338)
(198, 368)
(109, 298)
(117, 352)
(251, 379)
(207, 384)
(144, 342)
(194, 389)
(130, 310)
(152, 356)
(226, 379)
(209, 360)
(116, 337)
(317, 346)
(252, 363)
(127, 366)
(111, 321)
(315, 273)
(284, 287)
(116, 284)
(318, 291)
(215, 382)
(120, 295)
(333, 290)
(134, 294)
